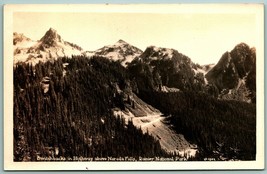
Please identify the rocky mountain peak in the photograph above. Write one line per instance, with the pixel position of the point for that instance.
(234, 67)
(51, 37)
(244, 58)
(121, 42)
(120, 51)
(50, 46)
(153, 52)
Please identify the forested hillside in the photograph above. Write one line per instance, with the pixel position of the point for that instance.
(63, 109)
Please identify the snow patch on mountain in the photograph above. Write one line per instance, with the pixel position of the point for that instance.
(199, 70)
(169, 89)
(120, 51)
(89, 53)
(157, 53)
(202, 71)
(207, 68)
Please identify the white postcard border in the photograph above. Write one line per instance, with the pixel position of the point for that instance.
(9, 164)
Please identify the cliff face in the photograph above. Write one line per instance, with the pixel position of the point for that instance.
(234, 69)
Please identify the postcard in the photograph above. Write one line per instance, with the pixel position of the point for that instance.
(134, 87)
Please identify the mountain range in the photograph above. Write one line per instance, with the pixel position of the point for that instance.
(233, 76)
(71, 93)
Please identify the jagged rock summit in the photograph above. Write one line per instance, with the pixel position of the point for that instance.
(49, 47)
(236, 73)
(51, 37)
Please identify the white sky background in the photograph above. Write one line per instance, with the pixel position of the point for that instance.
(202, 37)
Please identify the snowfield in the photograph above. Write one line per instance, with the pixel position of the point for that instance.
(34, 55)
(120, 51)
(162, 53)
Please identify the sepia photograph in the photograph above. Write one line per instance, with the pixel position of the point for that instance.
(134, 87)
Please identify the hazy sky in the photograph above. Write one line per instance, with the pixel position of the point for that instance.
(202, 37)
